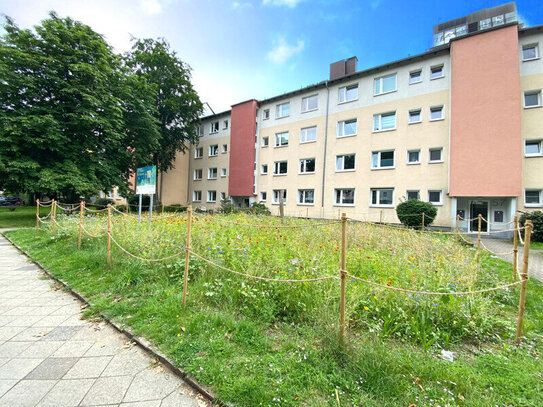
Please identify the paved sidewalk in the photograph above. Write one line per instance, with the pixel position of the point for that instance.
(501, 246)
(49, 356)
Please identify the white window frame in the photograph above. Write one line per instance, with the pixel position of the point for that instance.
(303, 165)
(278, 140)
(265, 141)
(430, 155)
(225, 124)
(342, 197)
(223, 172)
(415, 71)
(277, 168)
(223, 196)
(263, 196)
(275, 196)
(532, 92)
(266, 114)
(343, 93)
(435, 67)
(417, 191)
(435, 109)
(379, 154)
(342, 125)
(540, 148)
(342, 156)
(533, 205)
(378, 82)
(440, 202)
(379, 117)
(196, 196)
(262, 172)
(408, 162)
(199, 152)
(304, 133)
(214, 128)
(414, 111)
(280, 110)
(224, 149)
(213, 150)
(209, 196)
(305, 103)
(380, 205)
(529, 46)
(210, 173)
(200, 172)
(302, 198)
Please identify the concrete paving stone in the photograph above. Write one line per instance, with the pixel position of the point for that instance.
(151, 403)
(151, 384)
(26, 393)
(45, 310)
(106, 348)
(179, 399)
(74, 320)
(107, 390)
(91, 367)
(73, 349)
(40, 349)
(4, 360)
(12, 349)
(88, 332)
(6, 319)
(34, 333)
(5, 385)
(9, 332)
(26, 320)
(51, 368)
(50, 320)
(129, 362)
(22, 310)
(61, 333)
(66, 393)
(18, 368)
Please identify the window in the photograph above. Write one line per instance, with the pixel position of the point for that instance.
(281, 139)
(212, 173)
(382, 159)
(415, 116)
(344, 196)
(200, 131)
(214, 127)
(279, 168)
(264, 169)
(498, 216)
(532, 197)
(382, 196)
(384, 121)
(199, 152)
(346, 128)
(196, 196)
(434, 197)
(308, 134)
(532, 148)
(307, 166)
(213, 150)
(348, 93)
(110, 194)
(413, 194)
(266, 114)
(211, 196)
(484, 24)
(532, 98)
(436, 72)
(436, 155)
(413, 157)
(282, 110)
(310, 103)
(223, 172)
(384, 84)
(306, 196)
(117, 194)
(345, 162)
(263, 196)
(225, 124)
(498, 20)
(265, 141)
(415, 76)
(224, 148)
(223, 196)
(530, 52)
(436, 113)
(277, 194)
(198, 174)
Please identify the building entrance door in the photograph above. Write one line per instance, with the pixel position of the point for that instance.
(478, 208)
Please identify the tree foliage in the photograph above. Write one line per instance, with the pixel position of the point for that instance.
(410, 213)
(537, 219)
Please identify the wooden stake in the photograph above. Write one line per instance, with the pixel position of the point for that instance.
(381, 216)
(281, 206)
(162, 208)
(81, 213)
(479, 218)
(307, 213)
(343, 271)
(187, 255)
(109, 235)
(423, 215)
(54, 215)
(515, 249)
(457, 227)
(524, 276)
(37, 216)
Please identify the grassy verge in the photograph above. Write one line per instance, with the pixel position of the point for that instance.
(22, 216)
(257, 345)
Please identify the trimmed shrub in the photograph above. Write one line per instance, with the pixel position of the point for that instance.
(175, 208)
(410, 213)
(103, 202)
(537, 219)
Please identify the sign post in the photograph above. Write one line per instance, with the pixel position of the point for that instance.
(146, 184)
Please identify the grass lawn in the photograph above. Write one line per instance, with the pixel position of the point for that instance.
(22, 216)
(276, 344)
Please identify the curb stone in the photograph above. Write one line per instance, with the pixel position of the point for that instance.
(143, 343)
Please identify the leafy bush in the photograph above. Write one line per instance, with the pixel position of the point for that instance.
(259, 209)
(410, 213)
(104, 202)
(133, 200)
(537, 219)
(226, 206)
(175, 208)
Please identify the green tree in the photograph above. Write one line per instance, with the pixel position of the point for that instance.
(73, 120)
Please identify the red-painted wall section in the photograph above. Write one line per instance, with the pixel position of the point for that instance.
(486, 142)
(242, 149)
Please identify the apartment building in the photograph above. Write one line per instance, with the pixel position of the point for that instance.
(458, 126)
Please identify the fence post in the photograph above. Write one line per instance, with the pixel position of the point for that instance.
(380, 216)
(524, 276)
(457, 228)
(307, 213)
(515, 249)
(343, 271)
(81, 213)
(37, 215)
(479, 218)
(423, 215)
(54, 215)
(281, 206)
(187, 255)
(109, 235)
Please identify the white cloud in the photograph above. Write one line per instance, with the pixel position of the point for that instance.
(282, 51)
(151, 6)
(286, 3)
(236, 5)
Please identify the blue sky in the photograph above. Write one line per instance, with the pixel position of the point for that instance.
(243, 49)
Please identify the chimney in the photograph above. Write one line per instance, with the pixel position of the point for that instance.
(343, 67)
